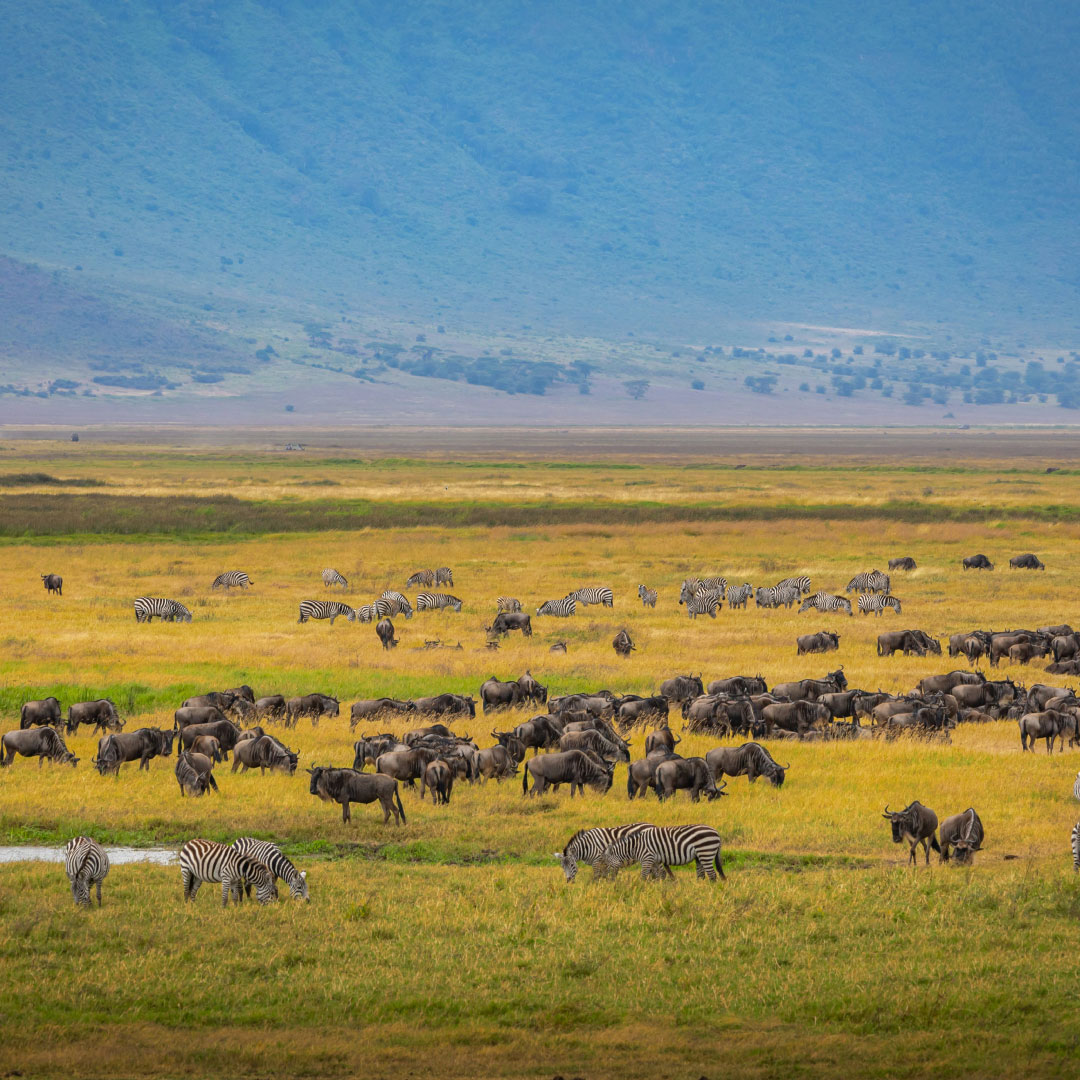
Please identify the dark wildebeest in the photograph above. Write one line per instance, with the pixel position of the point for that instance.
(208, 746)
(140, 746)
(531, 690)
(808, 689)
(244, 691)
(497, 762)
(385, 629)
(917, 824)
(1048, 724)
(269, 708)
(446, 705)
(538, 733)
(842, 705)
(510, 742)
(641, 775)
(976, 562)
(1040, 694)
(1066, 667)
(440, 778)
(904, 641)
(53, 583)
(42, 743)
(405, 765)
(944, 683)
(798, 716)
(101, 713)
(1000, 644)
(964, 832)
(262, 754)
(638, 712)
(225, 731)
(824, 641)
(347, 786)
(596, 741)
(506, 621)
(415, 736)
(219, 699)
(313, 705)
(571, 767)
(194, 773)
(368, 749)
(661, 739)
(1025, 652)
(691, 774)
(370, 708)
(1025, 562)
(623, 644)
(682, 688)
(40, 713)
(187, 715)
(1065, 647)
(739, 685)
(495, 694)
(750, 760)
(905, 562)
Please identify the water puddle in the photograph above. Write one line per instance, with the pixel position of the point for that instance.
(117, 855)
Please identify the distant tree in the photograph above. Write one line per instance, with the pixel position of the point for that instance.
(857, 351)
(804, 387)
(760, 384)
(636, 388)
(697, 384)
(290, 408)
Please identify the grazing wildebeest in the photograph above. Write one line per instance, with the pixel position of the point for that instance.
(269, 708)
(682, 688)
(446, 705)
(368, 749)
(495, 694)
(808, 689)
(899, 640)
(750, 760)
(691, 774)
(531, 690)
(497, 762)
(623, 644)
(824, 641)
(571, 767)
(1000, 644)
(630, 713)
(40, 713)
(1048, 724)
(225, 731)
(798, 716)
(405, 765)
(194, 773)
(347, 786)
(262, 754)
(739, 685)
(140, 746)
(1025, 562)
(964, 832)
(370, 708)
(977, 562)
(187, 715)
(641, 775)
(313, 705)
(42, 743)
(596, 741)
(905, 562)
(917, 824)
(53, 583)
(385, 629)
(219, 699)
(101, 713)
(661, 739)
(506, 621)
(945, 683)
(439, 777)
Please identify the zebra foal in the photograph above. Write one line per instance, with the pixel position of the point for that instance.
(207, 860)
(509, 604)
(587, 845)
(648, 596)
(270, 855)
(86, 863)
(659, 849)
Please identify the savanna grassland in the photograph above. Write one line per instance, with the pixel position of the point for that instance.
(451, 946)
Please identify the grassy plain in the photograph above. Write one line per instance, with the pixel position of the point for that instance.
(451, 944)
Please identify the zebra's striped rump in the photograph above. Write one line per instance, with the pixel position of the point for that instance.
(149, 607)
(659, 849)
(231, 579)
(800, 584)
(510, 604)
(877, 603)
(331, 577)
(602, 595)
(207, 860)
(396, 604)
(325, 609)
(278, 865)
(427, 601)
(1076, 847)
(703, 603)
(86, 863)
(587, 845)
(695, 586)
(562, 608)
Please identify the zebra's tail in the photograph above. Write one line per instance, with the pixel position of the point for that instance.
(401, 809)
(719, 865)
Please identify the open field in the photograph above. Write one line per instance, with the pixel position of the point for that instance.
(450, 946)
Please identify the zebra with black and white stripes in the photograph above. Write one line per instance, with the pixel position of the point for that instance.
(659, 849)
(331, 577)
(869, 581)
(704, 603)
(367, 612)
(877, 603)
(562, 608)
(587, 845)
(86, 863)
(824, 601)
(776, 596)
(593, 595)
(231, 579)
(207, 860)
(435, 601)
(648, 596)
(1076, 847)
(421, 577)
(270, 855)
(325, 609)
(150, 607)
(507, 603)
(694, 586)
(802, 584)
(399, 604)
(1076, 787)
(738, 595)
(444, 576)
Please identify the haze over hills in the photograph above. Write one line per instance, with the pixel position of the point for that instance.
(188, 183)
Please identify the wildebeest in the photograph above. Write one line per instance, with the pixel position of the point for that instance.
(809, 689)
(140, 746)
(40, 713)
(905, 641)
(538, 733)
(571, 767)
(1023, 652)
(218, 699)
(446, 705)
(192, 778)
(680, 688)
(53, 583)
(750, 760)
(623, 644)
(101, 713)
(506, 621)
(642, 710)
(917, 824)
(1039, 694)
(262, 754)
(641, 775)
(367, 749)
(661, 739)
(405, 765)
(385, 630)
(271, 707)
(225, 731)
(1065, 647)
(495, 762)
(945, 683)
(209, 746)
(187, 715)
(414, 737)
(905, 562)
(370, 708)
(1025, 562)
(440, 778)
(313, 705)
(495, 694)
(42, 743)
(823, 641)
(531, 690)
(347, 786)
(797, 716)
(739, 685)
(596, 741)
(691, 774)
(964, 832)
(976, 562)
(1048, 724)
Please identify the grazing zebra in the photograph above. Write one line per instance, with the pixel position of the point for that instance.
(399, 605)
(436, 601)
(877, 603)
(207, 860)
(278, 865)
(587, 845)
(648, 596)
(86, 863)
(146, 607)
(659, 849)
(738, 595)
(563, 608)
(868, 581)
(824, 601)
(444, 576)
(231, 579)
(1076, 847)
(368, 612)
(800, 583)
(592, 595)
(776, 596)
(421, 577)
(694, 586)
(703, 603)
(508, 603)
(325, 609)
(332, 577)
(1076, 787)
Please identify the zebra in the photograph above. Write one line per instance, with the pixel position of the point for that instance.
(230, 579)
(421, 577)
(868, 581)
(800, 583)
(877, 603)
(824, 601)
(86, 863)
(147, 607)
(399, 605)
(563, 608)
(435, 601)
(507, 603)
(694, 586)
(659, 849)
(367, 612)
(587, 845)
(737, 595)
(207, 860)
(703, 603)
(278, 865)
(776, 596)
(325, 609)
(331, 577)
(444, 576)
(1076, 847)
(648, 596)
(1076, 787)
(602, 595)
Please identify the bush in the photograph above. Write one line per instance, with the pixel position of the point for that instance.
(697, 384)
(760, 384)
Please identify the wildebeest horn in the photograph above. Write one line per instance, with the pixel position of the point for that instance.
(787, 766)
(886, 814)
